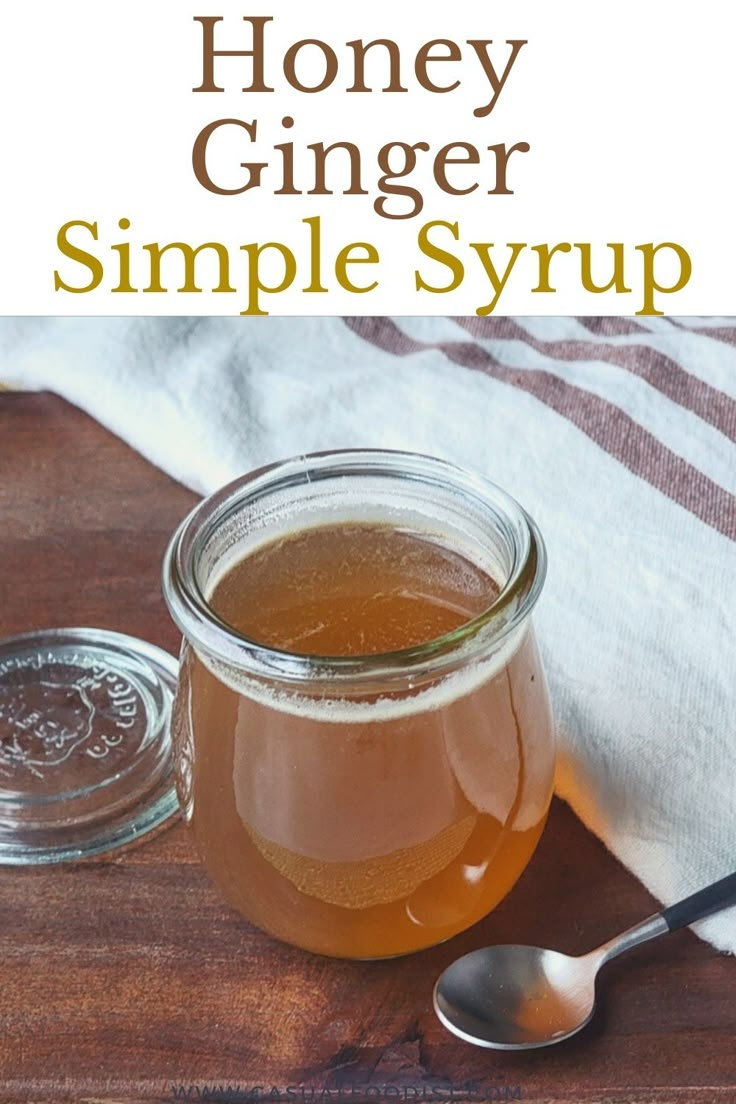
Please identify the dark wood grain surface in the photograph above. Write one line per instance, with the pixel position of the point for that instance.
(127, 978)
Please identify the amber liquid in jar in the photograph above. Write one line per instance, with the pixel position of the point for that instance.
(371, 826)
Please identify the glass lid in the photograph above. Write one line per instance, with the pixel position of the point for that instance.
(85, 747)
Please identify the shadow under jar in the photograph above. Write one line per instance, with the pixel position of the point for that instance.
(376, 801)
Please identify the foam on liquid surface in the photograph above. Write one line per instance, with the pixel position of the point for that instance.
(354, 589)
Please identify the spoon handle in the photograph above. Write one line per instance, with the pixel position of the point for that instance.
(713, 898)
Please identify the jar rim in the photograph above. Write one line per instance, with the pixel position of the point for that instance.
(205, 629)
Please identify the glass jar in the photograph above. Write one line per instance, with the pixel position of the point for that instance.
(363, 806)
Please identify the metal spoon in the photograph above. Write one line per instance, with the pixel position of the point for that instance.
(518, 998)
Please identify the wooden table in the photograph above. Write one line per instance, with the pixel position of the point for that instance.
(126, 978)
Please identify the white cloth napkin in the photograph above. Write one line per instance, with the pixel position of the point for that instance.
(618, 436)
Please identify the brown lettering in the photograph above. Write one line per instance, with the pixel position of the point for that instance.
(199, 158)
(496, 82)
(360, 49)
(330, 65)
(209, 53)
(424, 57)
(503, 157)
(443, 159)
(320, 168)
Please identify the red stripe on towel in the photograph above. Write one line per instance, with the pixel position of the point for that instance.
(603, 422)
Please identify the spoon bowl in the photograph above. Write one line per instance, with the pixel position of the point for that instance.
(515, 997)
